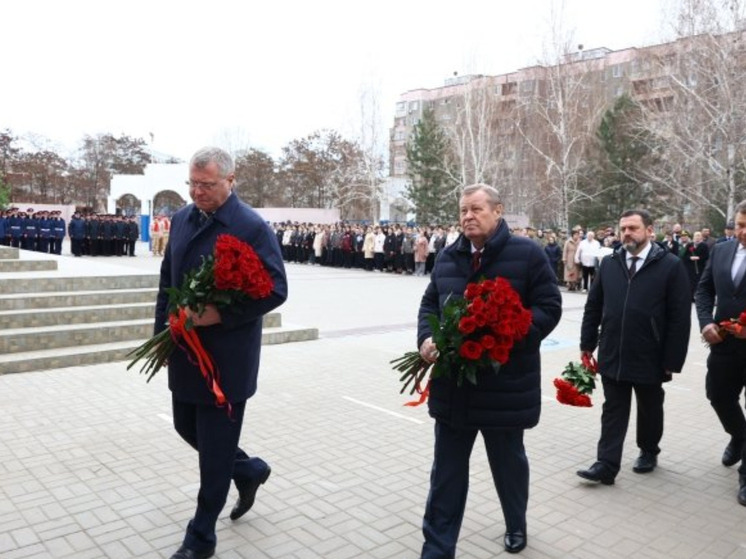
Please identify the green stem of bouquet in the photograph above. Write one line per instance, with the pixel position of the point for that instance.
(155, 352)
(414, 368)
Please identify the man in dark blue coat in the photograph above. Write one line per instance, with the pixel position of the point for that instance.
(232, 336)
(499, 406)
(724, 281)
(642, 303)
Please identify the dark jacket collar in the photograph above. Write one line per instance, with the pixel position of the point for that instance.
(221, 215)
(493, 245)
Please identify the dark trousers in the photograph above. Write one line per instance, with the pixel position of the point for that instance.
(214, 435)
(588, 273)
(449, 484)
(726, 379)
(615, 419)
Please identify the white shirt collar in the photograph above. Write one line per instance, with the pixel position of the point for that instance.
(642, 255)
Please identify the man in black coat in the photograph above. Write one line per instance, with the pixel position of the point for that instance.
(641, 301)
(231, 335)
(500, 406)
(723, 280)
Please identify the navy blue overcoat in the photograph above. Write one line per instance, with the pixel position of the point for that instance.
(234, 344)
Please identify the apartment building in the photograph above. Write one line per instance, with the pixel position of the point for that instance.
(584, 84)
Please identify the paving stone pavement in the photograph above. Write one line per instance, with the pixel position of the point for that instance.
(90, 466)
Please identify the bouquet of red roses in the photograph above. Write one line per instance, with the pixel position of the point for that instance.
(475, 332)
(732, 326)
(576, 383)
(231, 275)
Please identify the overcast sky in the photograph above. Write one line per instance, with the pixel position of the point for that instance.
(264, 73)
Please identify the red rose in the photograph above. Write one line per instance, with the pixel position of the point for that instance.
(473, 290)
(470, 350)
(500, 353)
(742, 318)
(467, 325)
(487, 342)
(489, 286)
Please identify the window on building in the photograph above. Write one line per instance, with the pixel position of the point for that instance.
(510, 88)
(616, 71)
(414, 105)
(401, 107)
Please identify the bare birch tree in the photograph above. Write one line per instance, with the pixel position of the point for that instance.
(696, 102)
(558, 115)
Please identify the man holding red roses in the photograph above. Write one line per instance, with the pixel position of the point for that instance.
(640, 299)
(723, 280)
(500, 406)
(230, 335)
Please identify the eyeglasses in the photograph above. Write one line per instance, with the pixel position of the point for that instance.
(202, 184)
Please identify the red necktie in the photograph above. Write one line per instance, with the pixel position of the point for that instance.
(476, 260)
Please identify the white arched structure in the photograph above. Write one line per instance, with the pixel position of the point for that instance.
(158, 177)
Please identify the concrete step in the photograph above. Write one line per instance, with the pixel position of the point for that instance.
(15, 340)
(17, 302)
(92, 354)
(14, 265)
(53, 283)
(84, 314)
(75, 315)
(7, 253)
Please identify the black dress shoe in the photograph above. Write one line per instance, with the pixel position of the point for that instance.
(599, 472)
(515, 541)
(742, 490)
(732, 453)
(185, 553)
(645, 463)
(246, 495)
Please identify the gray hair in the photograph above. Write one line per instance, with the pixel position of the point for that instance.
(222, 159)
(493, 196)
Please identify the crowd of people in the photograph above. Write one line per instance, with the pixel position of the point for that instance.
(404, 249)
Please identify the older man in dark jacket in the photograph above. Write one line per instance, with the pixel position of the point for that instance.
(641, 301)
(232, 336)
(499, 406)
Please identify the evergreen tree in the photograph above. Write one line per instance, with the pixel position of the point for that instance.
(625, 149)
(4, 194)
(432, 191)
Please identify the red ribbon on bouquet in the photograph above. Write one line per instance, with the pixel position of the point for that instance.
(197, 355)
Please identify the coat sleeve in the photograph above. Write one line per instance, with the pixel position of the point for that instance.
(678, 318)
(543, 297)
(161, 305)
(704, 297)
(429, 305)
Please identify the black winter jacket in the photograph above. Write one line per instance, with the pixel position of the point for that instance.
(644, 321)
(510, 399)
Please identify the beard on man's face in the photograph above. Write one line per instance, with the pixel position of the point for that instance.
(632, 245)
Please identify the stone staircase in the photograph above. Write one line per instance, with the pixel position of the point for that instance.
(54, 320)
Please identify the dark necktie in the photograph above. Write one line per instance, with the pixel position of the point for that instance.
(633, 266)
(476, 260)
(203, 217)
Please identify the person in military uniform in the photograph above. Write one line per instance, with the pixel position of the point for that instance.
(29, 231)
(43, 232)
(77, 233)
(132, 233)
(58, 232)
